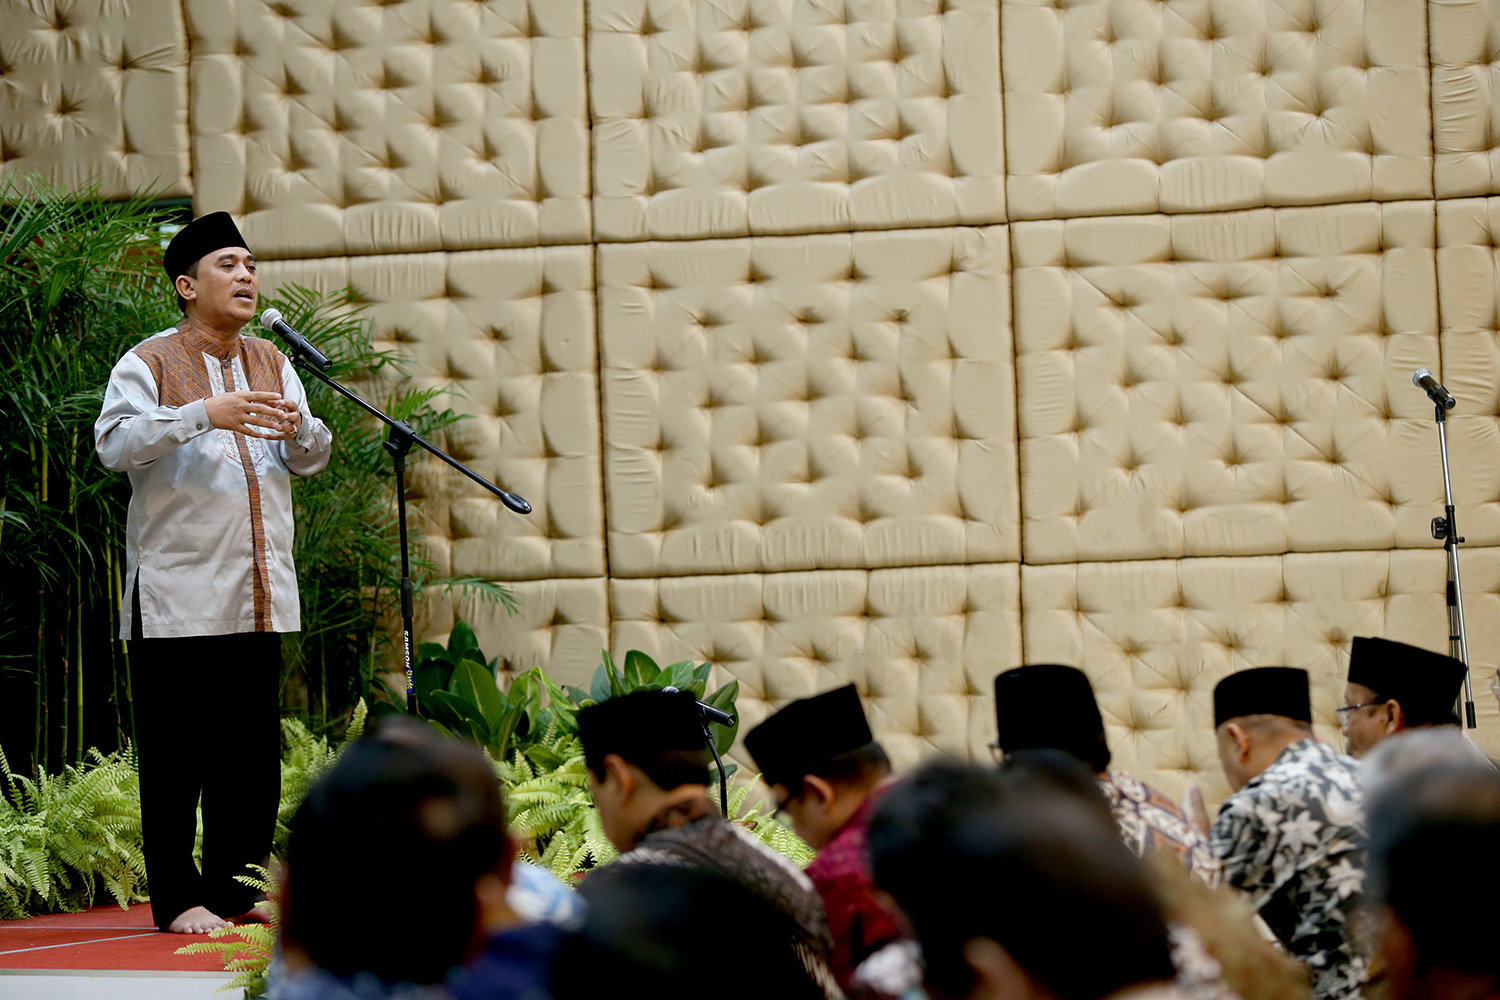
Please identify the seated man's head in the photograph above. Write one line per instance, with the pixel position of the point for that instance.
(213, 272)
(645, 752)
(1392, 687)
(672, 931)
(1048, 903)
(820, 760)
(1257, 714)
(1432, 939)
(436, 804)
(1048, 706)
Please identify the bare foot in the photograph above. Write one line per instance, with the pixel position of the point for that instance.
(196, 921)
(257, 914)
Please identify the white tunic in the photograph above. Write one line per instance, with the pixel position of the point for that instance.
(209, 531)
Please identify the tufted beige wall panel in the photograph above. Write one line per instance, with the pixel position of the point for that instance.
(1465, 78)
(1122, 106)
(513, 332)
(95, 92)
(745, 117)
(808, 402)
(736, 293)
(1469, 283)
(1155, 637)
(561, 626)
(1225, 384)
(331, 128)
(922, 645)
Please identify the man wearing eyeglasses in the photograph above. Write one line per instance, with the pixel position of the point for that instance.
(1393, 687)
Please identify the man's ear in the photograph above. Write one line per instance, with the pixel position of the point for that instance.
(1241, 740)
(996, 974)
(183, 284)
(1395, 716)
(619, 769)
(818, 790)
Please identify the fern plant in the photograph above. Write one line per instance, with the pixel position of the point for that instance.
(549, 807)
(750, 813)
(64, 836)
(305, 756)
(245, 949)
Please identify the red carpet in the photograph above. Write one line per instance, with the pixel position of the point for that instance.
(105, 937)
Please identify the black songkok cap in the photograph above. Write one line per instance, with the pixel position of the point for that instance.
(1425, 683)
(641, 725)
(1048, 706)
(197, 239)
(808, 732)
(1263, 691)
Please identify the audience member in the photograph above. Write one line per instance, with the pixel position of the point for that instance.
(826, 771)
(1394, 687)
(1431, 944)
(649, 775)
(1047, 705)
(1414, 750)
(425, 810)
(1291, 835)
(671, 931)
(1017, 896)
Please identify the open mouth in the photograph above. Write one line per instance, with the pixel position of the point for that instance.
(245, 293)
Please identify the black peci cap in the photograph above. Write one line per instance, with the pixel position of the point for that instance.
(199, 238)
(808, 732)
(1425, 683)
(641, 725)
(1049, 706)
(1263, 691)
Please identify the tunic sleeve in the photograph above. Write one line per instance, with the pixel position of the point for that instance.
(134, 429)
(308, 452)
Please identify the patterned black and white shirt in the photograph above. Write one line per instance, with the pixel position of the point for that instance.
(1294, 839)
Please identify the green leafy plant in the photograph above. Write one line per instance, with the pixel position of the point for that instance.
(80, 283)
(456, 688)
(550, 810)
(245, 949)
(641, 673)
(64, 837)
(305, 755)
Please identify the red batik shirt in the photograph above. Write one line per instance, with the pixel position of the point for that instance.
(861, 926)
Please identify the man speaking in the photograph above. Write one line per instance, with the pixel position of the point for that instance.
(209, 425)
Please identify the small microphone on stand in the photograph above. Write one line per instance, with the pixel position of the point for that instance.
(1422, 379)
(720, 716)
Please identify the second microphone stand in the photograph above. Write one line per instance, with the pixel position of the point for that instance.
(402, 437)
(1445, 529)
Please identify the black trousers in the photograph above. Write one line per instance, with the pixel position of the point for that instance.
(207, 719)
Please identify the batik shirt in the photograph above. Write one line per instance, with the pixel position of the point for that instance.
(208, 535)
(1294, 839)
(708, 841)
(1151, 822)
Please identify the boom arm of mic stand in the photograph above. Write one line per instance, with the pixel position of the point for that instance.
(400, 442)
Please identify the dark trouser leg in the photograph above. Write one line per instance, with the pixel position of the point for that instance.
(206, 721)
(171, 766)
(243, 789)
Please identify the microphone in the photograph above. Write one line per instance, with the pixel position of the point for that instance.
(1422, 379)
(720, 716)
(271, 320)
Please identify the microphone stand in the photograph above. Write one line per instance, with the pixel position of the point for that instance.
(725, 719)
(402, 437)
(1445, 529)
(713, 746)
